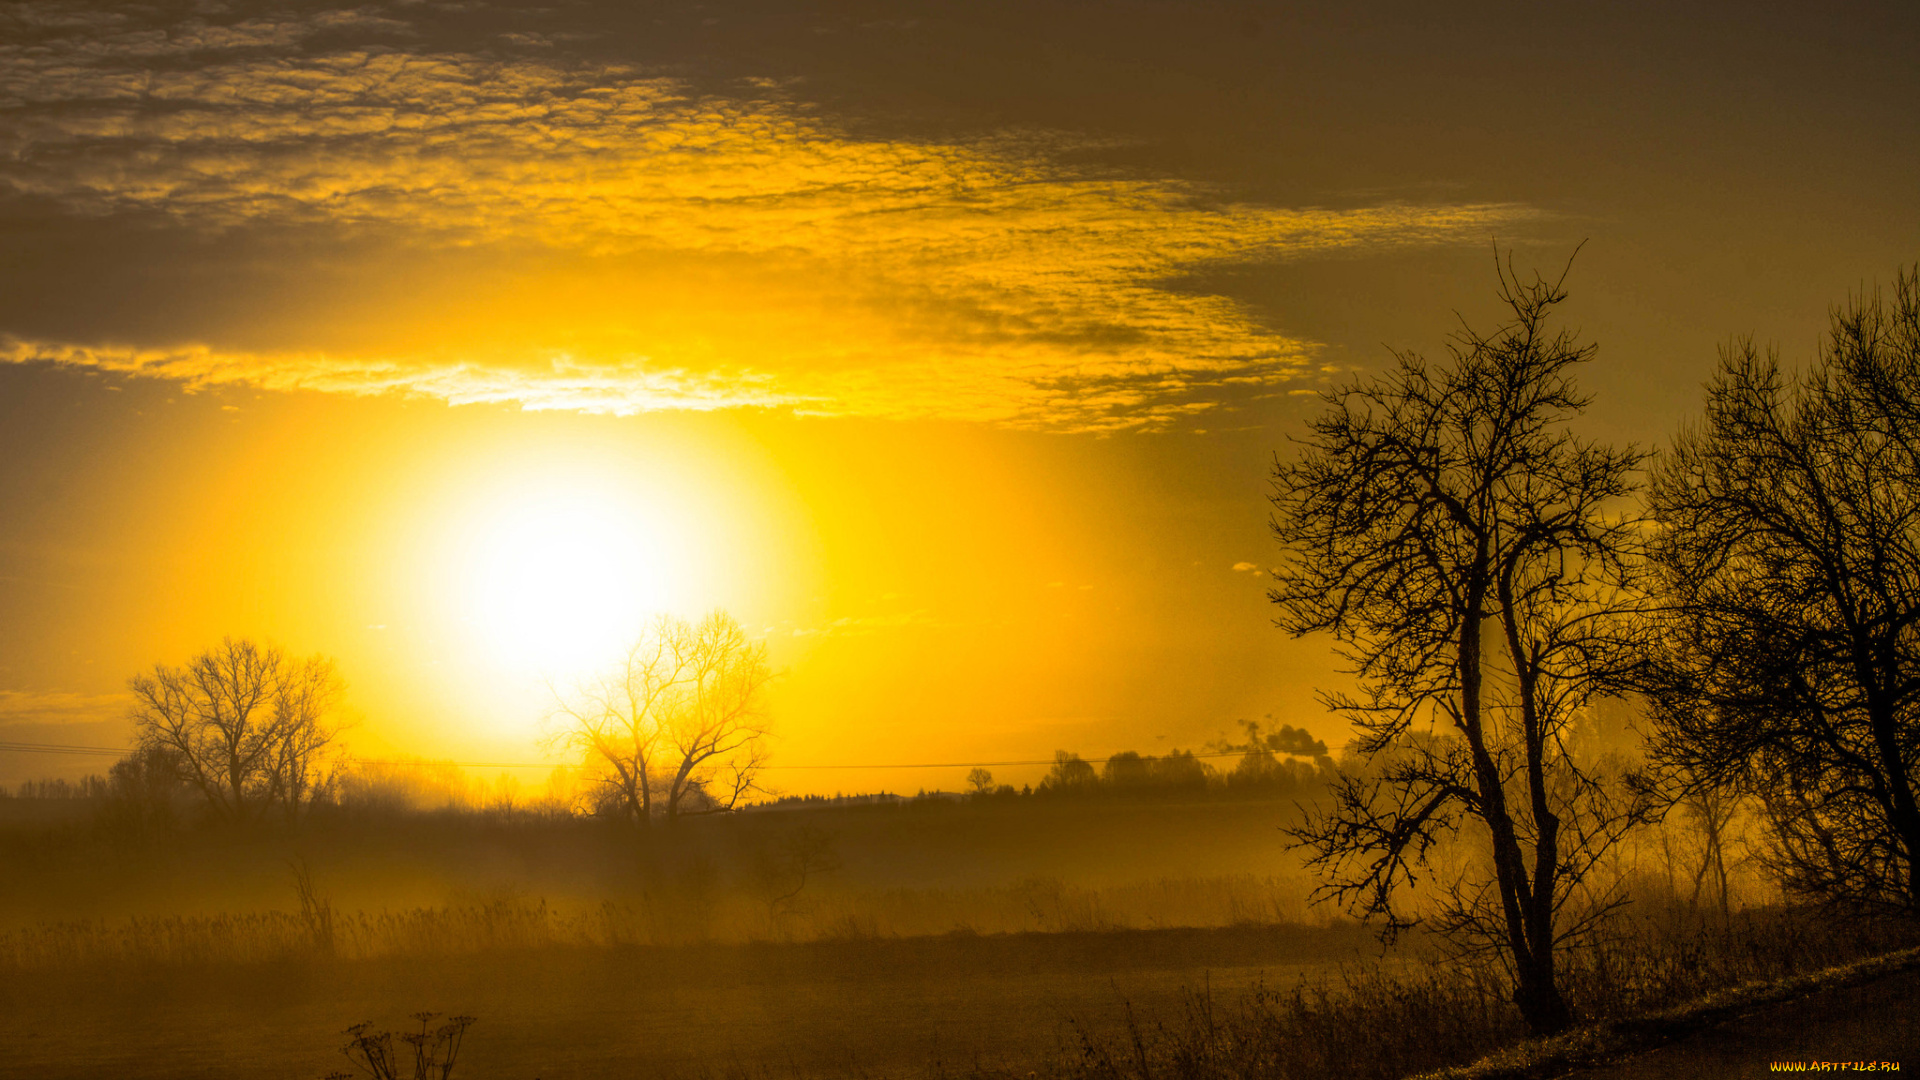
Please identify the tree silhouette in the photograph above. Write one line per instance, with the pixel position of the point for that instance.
(1790, 548)
(1070, 775)
(718, 734)
(617, 721)
(681, 726)
(1433, 509)
(243, 723)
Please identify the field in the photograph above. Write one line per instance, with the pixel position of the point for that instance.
(903, 940)
(870, 1007)
(1094, 939)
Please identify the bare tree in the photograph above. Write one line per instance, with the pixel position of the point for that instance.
(1435, 512)
(981, 781)
(243, 723)
(681, 726)
(1710, 812)
(307, 691)
(782, 867)
(718, 733)
(617, 721)
(1790, 652)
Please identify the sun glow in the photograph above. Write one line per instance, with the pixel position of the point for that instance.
(556, 577)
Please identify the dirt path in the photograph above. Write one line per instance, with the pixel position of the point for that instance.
(1875, 1023)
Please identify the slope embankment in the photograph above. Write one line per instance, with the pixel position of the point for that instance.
(1860, 1017)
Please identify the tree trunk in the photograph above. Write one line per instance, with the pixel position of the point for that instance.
(1540, 1003)
(677, 791)
(1509, 865)
(1537, 994)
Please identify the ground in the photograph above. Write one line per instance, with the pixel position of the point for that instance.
(1877, 1022)
(857, 1008)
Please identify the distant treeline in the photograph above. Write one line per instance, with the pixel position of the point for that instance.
(87, 787)
(241, 735)
(142, 795)
(1286, 763)
(1258, 771)
(145, 793)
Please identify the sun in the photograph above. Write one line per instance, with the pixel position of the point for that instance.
(557, 576)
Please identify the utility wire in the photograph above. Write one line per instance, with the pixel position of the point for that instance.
(56, 748)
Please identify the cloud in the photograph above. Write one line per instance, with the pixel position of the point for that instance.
(600, 388)
(807, 266)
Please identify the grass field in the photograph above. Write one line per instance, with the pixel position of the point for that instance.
(875, 1007)
(1064, 940)
(932, 936)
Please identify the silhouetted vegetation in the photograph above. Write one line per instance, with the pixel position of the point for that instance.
(1789, 655)
(431, 1053)
(242, 723)
(1431, 509)
(1506, 609)
(1378, 1023)
(1267, 766)
(682, 721)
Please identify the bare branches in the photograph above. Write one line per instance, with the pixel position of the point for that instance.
(244, 724)
(1790, 542)
(1371, 846)
(1430, 509)
(680, 728)
(617, 721)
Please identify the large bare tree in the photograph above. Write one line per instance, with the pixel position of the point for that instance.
(719, 736)
(617, 720)
(680, 727)
(1468, 554)
(1790, 549)
(243, 723)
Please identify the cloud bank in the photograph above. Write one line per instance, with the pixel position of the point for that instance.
(738, 246)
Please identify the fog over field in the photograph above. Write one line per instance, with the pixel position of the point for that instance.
(984, 540)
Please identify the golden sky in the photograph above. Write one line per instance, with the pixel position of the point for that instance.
(947, 346)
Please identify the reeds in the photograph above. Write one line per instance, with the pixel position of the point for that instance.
(673, 913)
(276, 936)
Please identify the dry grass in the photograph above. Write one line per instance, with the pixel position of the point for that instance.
(1378, 1023)
(1600, 1043)
(1050, 905)
(876, 1007)
(675, 914)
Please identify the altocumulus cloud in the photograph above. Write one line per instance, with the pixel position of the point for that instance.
(728, 246)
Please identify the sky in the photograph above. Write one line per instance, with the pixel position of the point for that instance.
(947, 346)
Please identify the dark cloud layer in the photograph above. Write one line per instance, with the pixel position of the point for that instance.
(713, 241)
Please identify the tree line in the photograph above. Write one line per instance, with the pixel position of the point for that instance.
(247, 732)
(677, 728)
(1286, 763)
(1489, 574)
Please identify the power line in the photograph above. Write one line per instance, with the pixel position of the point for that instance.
(57, 748)
(110, 751)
